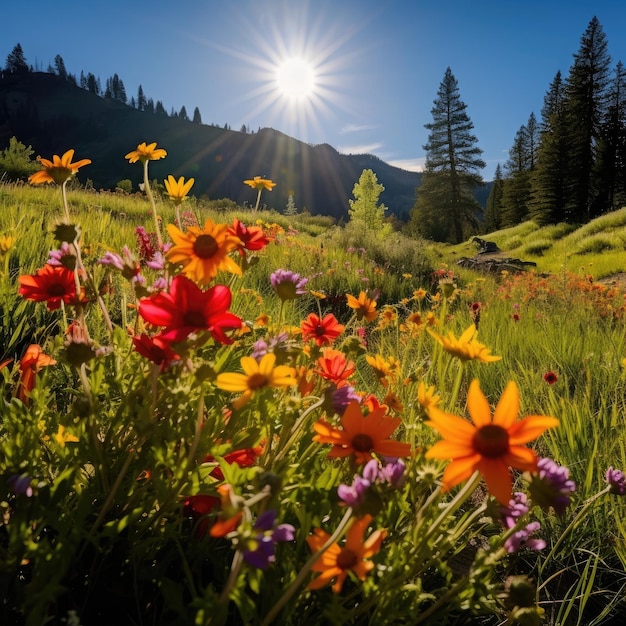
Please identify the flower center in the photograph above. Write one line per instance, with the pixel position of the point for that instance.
(205, 246)
(256, 381)
(347, 559)
(491, 441)
(57, 289)
(195, 319)
(362, 443)
(320, 331)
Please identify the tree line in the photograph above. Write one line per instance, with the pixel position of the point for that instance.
(114, 88)
(568, 166)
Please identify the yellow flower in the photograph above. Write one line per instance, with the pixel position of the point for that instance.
(257, 375)
(427, 396)
(59, 170)
(489, 444)
(385, 369)
(6, 243)
(203, 252)
(177, 190)
(364, 307)
(420, 294)
(259, 183)
(466, 348)
(146, 152)
(61, 436)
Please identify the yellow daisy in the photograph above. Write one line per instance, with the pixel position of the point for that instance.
(465, 348)
(146, 152)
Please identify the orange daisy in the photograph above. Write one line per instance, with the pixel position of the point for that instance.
(203, 252)
(364, 307)
(361, 435)
(333, 365)
(323, 331)
(337, 562)
(490, 445)
(59, 170)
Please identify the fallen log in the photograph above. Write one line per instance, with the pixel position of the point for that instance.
(495, 265)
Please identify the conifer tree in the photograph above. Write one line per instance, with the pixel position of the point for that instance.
(493, 208)
(141, 99)
(183, 114)
(197, 118)
(16, 61)
(291, 208)
(446, 209)
(364, 211)
(59, 67)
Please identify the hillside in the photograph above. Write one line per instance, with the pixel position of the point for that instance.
(52, 115)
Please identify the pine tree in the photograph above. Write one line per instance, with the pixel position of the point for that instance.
(197, 118)
(59, 67)
(446, 208)
(585, 108)
(364, 211)
(16, 61)
(183, 114)
(159, 109)
(493, 209)
(141, 99)
(291, 208)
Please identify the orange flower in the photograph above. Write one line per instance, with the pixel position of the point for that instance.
(203, 252)
(230, 514)
(59, 170)
(490, 445)
(323, 331)
(466, 348)
(334, 366)
(32, 361)
(361, 435)
(146, 152)
(337, 562)
(364, 307)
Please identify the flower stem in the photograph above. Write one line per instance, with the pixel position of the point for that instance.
(146, 183)
(64, 195)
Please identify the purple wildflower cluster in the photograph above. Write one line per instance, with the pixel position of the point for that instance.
(277, 343)
(616, 480)
(550, 486)
(288, 285)
(522, 537)
(261, 550)
(364, 494)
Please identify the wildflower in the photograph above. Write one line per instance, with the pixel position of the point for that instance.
(354, 495)
(393, 402)
(30, 363)
(361, 435)
(245, 457)
(274, 344)
(337, 562)
(126, 263)
(177, 190)
(515, 317)
(59, 170)
(6, 243)
(364, 307)
(550, 486)
(394, 472)
(147, 243)
(616, 480)
(230, 514)
(21, 484)
(259, 184)
(186, 309)
(157, 350)
(323, 331)
(550, 378)
(420, 294)
(338, 397)
(510, 516)
(49, 284)
(288, 285)
(466, 348)
(333, 365)
(251, 237)
(257, 375)
(62, 437)
(203, 252)
(198, 508)
(146, 152)
(426, 396)
(385, 369)
(490, 444)
(261, 548)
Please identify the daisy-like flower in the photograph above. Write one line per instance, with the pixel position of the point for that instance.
(177, 190)
(257, 375)
(550, 378)
(385, 369)
(156, 350)
(59, 170)
(488, 444)
(186, 309)
(251, 237)
(362, 435)
(466, 348)
(288, 285)
(333, 365)
(364, 307)
(259, 184)
(146, 152)
(6, 243)
(427, 396)
(49, 284)
(337, 562)
(30, 363)
(323, 331)
(203, 252)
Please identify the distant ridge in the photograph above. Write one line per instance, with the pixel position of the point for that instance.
(52, 115)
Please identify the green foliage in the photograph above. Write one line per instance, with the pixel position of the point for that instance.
(125, 185)
(16, 162)
(364, 209)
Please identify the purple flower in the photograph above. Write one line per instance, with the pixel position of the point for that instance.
(20, 484)
(510, 516)
(338, 398)
(550, 486)
(263, 545)
(516, 509)
(523, 539)
(288, 285)
(259, 349)
(354, 495)
(394, 472)
(616, 480)
(62, 257)
(157, 262)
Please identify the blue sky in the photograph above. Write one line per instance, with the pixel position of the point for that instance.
(377, 63)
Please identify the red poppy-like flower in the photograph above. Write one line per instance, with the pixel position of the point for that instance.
(323, 331)
(246, 457)
(30, 363)
(156, 349)
(50, 284)
(333, 365)
(550, 378)
(251, 237)
(186, 309)
(198, 508)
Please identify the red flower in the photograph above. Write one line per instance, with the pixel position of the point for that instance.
(334, 366)
(156, 350)
(246, 457)
(251, 237)
(186, 308)
(31, 362)
(323, 331)
(550, 378)
(198, 508)
(51, 284)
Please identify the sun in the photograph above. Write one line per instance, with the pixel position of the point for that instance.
(295, 78)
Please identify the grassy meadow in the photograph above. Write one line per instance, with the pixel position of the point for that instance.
(123, 469)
